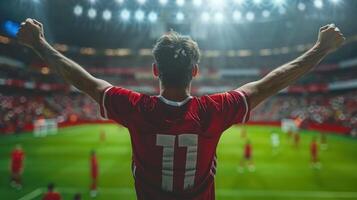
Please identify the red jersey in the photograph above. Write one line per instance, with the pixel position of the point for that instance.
(247, 150)
(313, 148)
(94, 166)
(52, 196)
(174, 143)
(17, 157)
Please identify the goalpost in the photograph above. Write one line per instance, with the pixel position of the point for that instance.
(44, 127)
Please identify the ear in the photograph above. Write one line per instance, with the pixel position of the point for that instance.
(195, 70)
(155, 70)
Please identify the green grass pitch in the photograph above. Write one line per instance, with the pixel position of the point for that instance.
(64, 160)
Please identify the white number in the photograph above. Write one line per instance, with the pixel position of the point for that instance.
(168, 143)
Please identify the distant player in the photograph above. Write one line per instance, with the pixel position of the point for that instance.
(94, 173)
(247, 158)
(174, 135)
(17, 167)
(275, 142)
(315, 163)
(51, 194)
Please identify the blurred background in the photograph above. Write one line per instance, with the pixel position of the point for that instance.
(240, 41)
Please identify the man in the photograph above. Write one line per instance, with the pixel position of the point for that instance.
(275, 142)
(247, 158)
(94, 174)
(174, 135)
(51, 194)
(17, 162)
(315, 163)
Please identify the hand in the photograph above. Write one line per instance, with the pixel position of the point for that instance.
(30, 33)
(330, 38)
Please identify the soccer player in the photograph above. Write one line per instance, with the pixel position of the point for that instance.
(94, 174)
(17, 167)
(315, 163)
(174, 135)
(247, 158)
(275, 142)
(51, 194)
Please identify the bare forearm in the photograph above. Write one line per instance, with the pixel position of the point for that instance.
(70, 71)
(285, 75)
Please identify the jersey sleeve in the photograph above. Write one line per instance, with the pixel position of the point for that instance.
(230, 108)
(118, 104)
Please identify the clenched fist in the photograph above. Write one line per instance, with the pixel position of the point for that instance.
(330, 38)
(30, 33)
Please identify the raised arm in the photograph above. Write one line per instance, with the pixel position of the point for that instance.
(31, 34)
(329, 39)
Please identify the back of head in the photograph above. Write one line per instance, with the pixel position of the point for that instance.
(175, 56)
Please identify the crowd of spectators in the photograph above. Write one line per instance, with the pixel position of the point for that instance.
(17, 111)
(321, 108)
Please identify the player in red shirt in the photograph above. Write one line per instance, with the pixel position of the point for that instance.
(247, 157)
(17, 166)
(174, 135)
(94, 173)
(51, 194)
(315, 163)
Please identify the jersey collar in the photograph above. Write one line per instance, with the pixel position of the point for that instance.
(174, 103)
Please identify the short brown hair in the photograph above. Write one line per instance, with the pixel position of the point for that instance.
(175, 56)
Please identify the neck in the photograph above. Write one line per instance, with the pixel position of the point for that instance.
(175, 94)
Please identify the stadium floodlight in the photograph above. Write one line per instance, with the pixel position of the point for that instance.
(139, 15)
(180, 3)
(301, 6)
(197, 3)
(250, 16)
(92, 1)
(257, 2)
(265, 13)
(216, 4)
(205, 17)
(180, 16)
(163, 2)
(239, 2)
(119, 1)
(107, 15)
(318, 4)
(335, 2)
(141, 2)
(125, 15)
(279, 3)
(92, 13)
(282, 10)
(218, 17)
(237, 16)
(152, 16)
(78, 10)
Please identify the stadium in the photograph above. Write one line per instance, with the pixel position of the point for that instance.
(300, 143)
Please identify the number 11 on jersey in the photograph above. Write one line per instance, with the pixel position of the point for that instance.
(168, 143)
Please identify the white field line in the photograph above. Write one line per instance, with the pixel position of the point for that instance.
(219, 192)
(32, 194)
